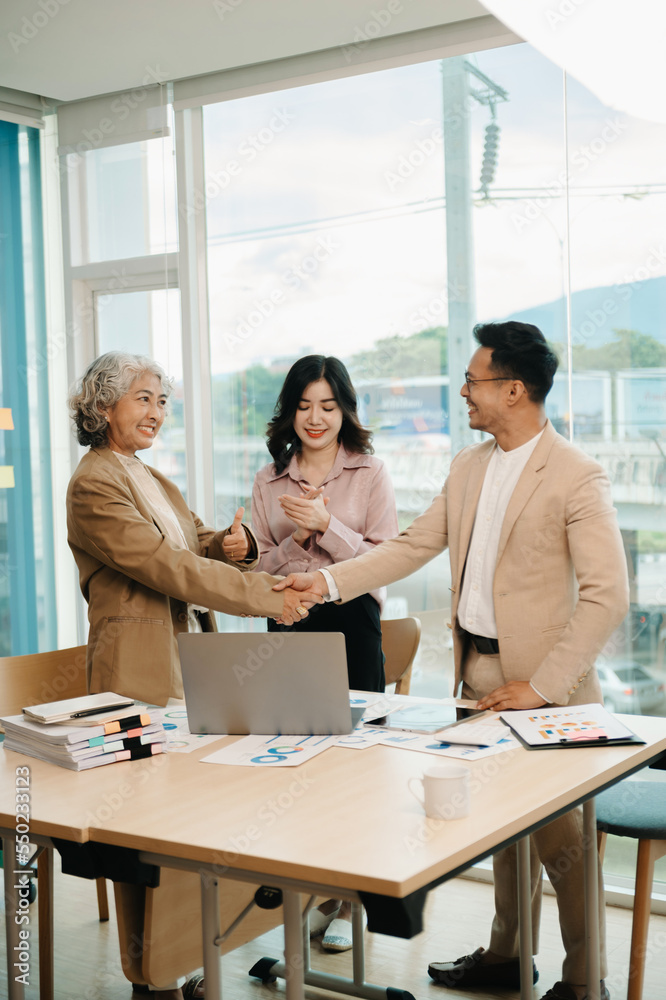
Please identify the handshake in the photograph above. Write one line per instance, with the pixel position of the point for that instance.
(301, 592)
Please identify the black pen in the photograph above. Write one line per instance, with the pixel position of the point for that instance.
(104, 708)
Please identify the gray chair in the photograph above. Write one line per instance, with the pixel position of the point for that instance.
(636, 809)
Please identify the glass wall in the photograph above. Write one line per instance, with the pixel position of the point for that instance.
(329, 231)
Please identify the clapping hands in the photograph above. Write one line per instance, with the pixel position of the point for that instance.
(308, 512)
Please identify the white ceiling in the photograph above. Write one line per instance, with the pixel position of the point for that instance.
(71, 49)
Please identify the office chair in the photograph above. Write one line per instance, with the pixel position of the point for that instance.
(35, 679)
(400, 641)
(636, 809)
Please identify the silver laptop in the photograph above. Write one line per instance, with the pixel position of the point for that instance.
(267, 683)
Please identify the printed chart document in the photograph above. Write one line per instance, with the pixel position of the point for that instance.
(576, 726)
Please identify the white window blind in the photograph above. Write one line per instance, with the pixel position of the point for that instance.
(21, 108)
(128, 116)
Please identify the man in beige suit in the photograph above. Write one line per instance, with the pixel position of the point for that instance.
(539, 583)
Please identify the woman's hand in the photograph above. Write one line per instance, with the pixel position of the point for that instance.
(235, 543)
(308, 512)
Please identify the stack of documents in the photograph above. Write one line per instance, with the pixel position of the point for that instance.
(86, 741)
(97, 707)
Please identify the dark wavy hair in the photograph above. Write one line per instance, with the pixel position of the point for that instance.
(520, 351)
(283, 441)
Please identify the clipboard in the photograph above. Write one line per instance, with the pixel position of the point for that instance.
(562, 728)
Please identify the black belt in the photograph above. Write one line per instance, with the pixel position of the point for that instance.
(483, 645)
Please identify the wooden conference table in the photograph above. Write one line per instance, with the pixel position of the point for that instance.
(343, 824)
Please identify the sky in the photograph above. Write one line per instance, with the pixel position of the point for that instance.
(325, 216)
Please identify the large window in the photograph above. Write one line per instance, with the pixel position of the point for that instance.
(378, 217)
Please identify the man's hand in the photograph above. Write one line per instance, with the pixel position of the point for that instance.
(315, 583)
(515, 694)
(307, 511)
(296, 604)
(235, 543)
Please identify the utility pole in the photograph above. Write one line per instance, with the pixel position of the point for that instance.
(457, 102)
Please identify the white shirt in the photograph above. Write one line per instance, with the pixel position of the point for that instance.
(157, 499)
(476, 610)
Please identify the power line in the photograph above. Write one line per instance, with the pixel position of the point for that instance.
(635, 191)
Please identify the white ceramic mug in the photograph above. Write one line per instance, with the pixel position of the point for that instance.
(446, 793)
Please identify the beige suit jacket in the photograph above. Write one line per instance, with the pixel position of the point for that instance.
(560, 586)
(138, 583)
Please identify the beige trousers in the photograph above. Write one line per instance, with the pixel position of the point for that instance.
(557, 846)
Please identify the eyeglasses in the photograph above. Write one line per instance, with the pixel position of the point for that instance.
(472, 381)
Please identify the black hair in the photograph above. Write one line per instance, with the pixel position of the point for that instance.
(283, 441)
(520, 351)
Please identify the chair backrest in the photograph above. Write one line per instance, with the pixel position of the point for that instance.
(400, 640)
(37, 678)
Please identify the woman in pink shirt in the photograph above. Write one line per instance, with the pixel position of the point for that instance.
(323, 499)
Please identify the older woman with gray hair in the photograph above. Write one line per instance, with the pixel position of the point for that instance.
(148, 567)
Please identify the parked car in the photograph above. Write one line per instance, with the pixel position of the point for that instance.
(630, 687)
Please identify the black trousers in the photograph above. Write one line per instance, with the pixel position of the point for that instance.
(359, 622)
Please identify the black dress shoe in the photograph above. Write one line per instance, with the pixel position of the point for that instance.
(469, 970)
(563, 991)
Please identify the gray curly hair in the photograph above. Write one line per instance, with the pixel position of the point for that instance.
(105, 381)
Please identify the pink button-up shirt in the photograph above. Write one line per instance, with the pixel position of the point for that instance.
(361, 505)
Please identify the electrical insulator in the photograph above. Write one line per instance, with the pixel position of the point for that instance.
(489, 164)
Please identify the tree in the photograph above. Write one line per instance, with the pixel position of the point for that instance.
(243, 402)
(630, 349)
(422, 353)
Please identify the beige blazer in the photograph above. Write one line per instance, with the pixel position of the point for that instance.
(138, 583)
(560, 585)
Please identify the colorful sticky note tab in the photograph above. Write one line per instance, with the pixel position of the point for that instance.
(6, 422)
(6, 477)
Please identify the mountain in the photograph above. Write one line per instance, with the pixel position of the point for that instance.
(596, 312)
